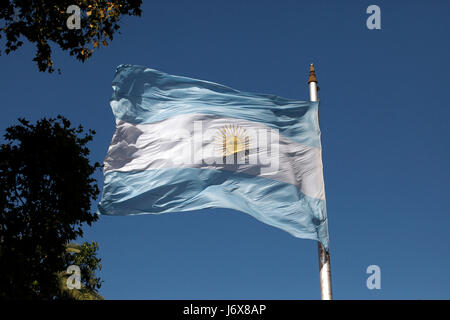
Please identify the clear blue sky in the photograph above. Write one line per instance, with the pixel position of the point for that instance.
(385, 134)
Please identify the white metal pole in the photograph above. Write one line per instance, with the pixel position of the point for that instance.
(324, 256)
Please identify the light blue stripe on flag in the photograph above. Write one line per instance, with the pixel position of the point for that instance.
(173, 190)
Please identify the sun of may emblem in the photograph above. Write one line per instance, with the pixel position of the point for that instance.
(232, 139)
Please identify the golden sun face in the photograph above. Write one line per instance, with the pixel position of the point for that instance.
(232, 139)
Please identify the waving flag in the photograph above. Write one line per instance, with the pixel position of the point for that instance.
(183, 144)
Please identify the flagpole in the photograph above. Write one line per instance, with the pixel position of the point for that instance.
(324, 256)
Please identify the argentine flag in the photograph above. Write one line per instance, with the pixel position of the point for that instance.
(183, 144)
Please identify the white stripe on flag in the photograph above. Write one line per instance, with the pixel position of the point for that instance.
(197, 141)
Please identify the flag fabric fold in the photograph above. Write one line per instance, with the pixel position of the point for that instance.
(183, 144)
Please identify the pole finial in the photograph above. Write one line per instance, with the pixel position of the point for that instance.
(312, 74)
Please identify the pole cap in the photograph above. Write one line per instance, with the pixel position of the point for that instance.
(312, 74)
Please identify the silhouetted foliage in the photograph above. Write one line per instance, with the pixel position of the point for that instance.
(46, 189)
(42, 22)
